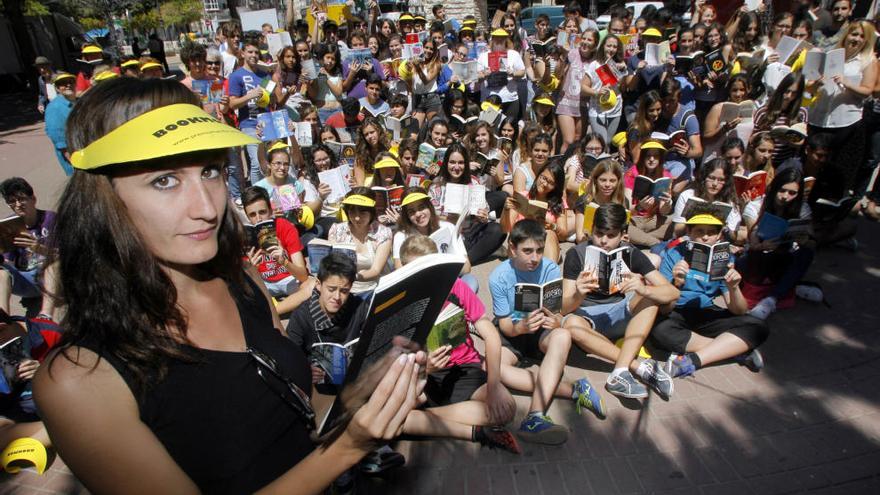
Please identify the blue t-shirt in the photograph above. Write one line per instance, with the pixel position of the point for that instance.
(505, 276)
(359, 90)
(677, 165)
(696, 291)
(240, 82)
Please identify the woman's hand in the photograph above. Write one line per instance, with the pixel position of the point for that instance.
(317, 374)
(324, 190)
(482, 215)
(27, 368)
(255, 256)
(646, 203)
(438, 359)
(773, 57)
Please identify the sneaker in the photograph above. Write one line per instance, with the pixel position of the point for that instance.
(680, 366)
(496, 437)
(624, 384)
(754, 361)
(850, 244)
(588, 398)
(538, 428)
(809, 293)
(764, 308)
(656, 378)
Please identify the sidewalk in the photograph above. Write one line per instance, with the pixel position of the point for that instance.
(809, 421)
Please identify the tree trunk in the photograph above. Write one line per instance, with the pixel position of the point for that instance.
(14, 10)
(233, 9)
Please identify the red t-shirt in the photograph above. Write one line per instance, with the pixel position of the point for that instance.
(337, 120)
(271, 270)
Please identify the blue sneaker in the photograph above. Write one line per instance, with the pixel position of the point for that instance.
(539, 428)
(680, 366)
(587, 397)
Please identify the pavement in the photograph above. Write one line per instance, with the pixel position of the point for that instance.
(809, 422)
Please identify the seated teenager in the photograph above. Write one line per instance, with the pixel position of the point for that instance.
(371, 239)
(19, 273)
(464, 388)
(714, 182)
(280, 175)
(598, 319)
(282, 266)
(773, 267)
(651, 223)
(604, 186)
(696, 331)
(538, 335)
(549, 188)
(579, 167)
(387, 173)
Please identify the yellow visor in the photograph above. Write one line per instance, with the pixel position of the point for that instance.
(280, 145)
(359, 200)
(619, 139)
(129, 63)
(652, 32)
(413, 197)
(24, 453)
(62, 76)
(106, 75)
(151, 65)
(487, 105)
(91, 49)
(405, 17)
(164, 131)
(500, 33)
(652, 145)
(386, 163)
(545, 101)
(704, 219)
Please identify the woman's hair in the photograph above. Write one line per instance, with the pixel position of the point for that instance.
(398, 174)
(743, 78)
(775, 108)
(792, 209)
(280, 58)
(618, 57)
(554, 198)
(549, 119)
(453, 96)
(435, 57)
(870, 37)
(456, 147)
(310, 171)
(731, 143)
(605, 166)
(641, 123)
(740, 43)
(425, 134)
(404, 224)
(331, 130)
(541, 138)
(582, 148)
(640, 165)
(362, 191)
(506, 120)
(526, 136)
(709, 28)
(324, 49)
(728, 191)
(783, 16)
(121, 301)
(365, 155)
(416, 246)
(610, 216)
(472, 135)
(408, 144)
(803, 23)
(749, 159)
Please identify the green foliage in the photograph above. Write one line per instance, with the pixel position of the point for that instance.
(181, 12)
(145, 21)
(89, 23)
(35, 7)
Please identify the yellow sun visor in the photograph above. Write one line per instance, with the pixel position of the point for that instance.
(24, 453)
(359, 200)
(164, 131)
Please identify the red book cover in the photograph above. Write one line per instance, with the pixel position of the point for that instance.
(607, 75)
(412, 38)
(495, 60)
(755, 184)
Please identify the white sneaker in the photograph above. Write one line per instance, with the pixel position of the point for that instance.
(764, 308)
(809, 293)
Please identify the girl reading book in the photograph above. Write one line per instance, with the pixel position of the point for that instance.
(537, 156)
(650, 214)
(604, 186)
(580, 165)
(714, 132)
(548, 189)
(714, 183)
(371, 140)
(372, 240)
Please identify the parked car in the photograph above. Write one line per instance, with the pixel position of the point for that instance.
(529, 14)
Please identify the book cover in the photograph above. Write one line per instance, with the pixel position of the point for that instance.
(275, 125)
(10, 228)
(715, 62)
(530, 208)
(609, 267)
(451, 328)
(263, 234)
(754, 184)
(387, 198)
(320, 248)
(498, 61)
(645, 186)
(709, 262)
(589, 216)
(531, 297)
(363, 56)
(608, 74)
(339, 180)
(12, 353)
(208, 91)
(333, 358)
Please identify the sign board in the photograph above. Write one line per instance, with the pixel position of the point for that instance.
(253, 20)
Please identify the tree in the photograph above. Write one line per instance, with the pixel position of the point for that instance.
(181, 12)
(89, 23)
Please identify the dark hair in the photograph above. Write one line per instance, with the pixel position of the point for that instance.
(251, 39)
(775, 110)
(398, 100)
(403, 222)
(122, 301)
(730, 143)
(373, 78)
(338, 264)
(436, 7)
(363, 191)
(324, 49)
(192, 51)
(253, 194)
(365, 155)
(740, 43)
(728, 192)
(525, 230)
(640, 123)
(792, 209)
(15, 186)
(669, 87)
(820, 140)
(453, 96)
(350, 106)
(572, 8)
(743, 77)
(554, 199)
(456, 147)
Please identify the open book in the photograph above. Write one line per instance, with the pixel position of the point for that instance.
(476, 48)
(530, 208)
(362, 56)
(645, 186)
(333, 358)
(744, 110)
(451, 328)
(285, 198)
(444, 238)
(320, 248)
(303, 133)
(794, 134)
(412, 51)
(395, 126)
(708, 262)
(459, 124)
(338, 179)
(486, 163)
(467, 72)
(345, 152)
(669, 140)
(429, 156)
(406, 302)
(391, 67)
(686, 63)
(417, 180)
(610, 267)
(275, 125)
(387, 197)
(461, 199)
(268, 67)
(656, 54)
(789, 49)
(755, 184)
(10, 228)
(263, 235)
(529, 297)
(277, 41)
(824, 64)
(209, 91)
(491, 116)
(717, 209)
(775, 227)
(12, 353)
(828, 210)
(497, 61)
(715, 62)
(543, 48)
(608, 74)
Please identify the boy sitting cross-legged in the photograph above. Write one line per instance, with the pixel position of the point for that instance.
(599, 317)
(697, 331)
(537, 335)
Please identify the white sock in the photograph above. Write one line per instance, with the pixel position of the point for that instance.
(644, 370)
(618, 371)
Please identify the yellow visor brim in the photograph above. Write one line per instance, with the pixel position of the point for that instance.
(413, 197)
(359, 200)
(166, 131)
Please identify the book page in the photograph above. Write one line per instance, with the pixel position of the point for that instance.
(834, 62)
(338, 180)
(477, 199)
(455, 198)
(814, 64)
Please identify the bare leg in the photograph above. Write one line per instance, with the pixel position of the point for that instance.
(643, 314)
(524, 380)
(724, 346)
(555, 346)
(50, 290)
(568, 128)
(551, 246)
(589, 340)
(10, 430)
(428, 423)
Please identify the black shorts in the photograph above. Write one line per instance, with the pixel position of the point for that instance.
(428, 102)
(525, 347)
(672, 332)
(455, 384)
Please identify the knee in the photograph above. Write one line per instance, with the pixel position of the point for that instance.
(754, 331)
(559, 338)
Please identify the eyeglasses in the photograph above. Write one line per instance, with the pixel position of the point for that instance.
(289, 392)
(212, 62)
(17, 200)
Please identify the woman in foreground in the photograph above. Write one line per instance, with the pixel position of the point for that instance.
(173, 376)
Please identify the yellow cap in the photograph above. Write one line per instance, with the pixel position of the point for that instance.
(619, 139)
(386, 162)
(22, 453)
(280, 145)
(359, 200)
(264, 99)
(652, 145)
(307, 217)
(420, 18)
(736, 69)
(544, 101)
(129, 63)
(652, 32)
(109, 74)
(61, 76)
(164, 131)
(487, 105)
(466, 28)
(405, 17)
(500, 33)
(151, 65)
(608, 101)
(469, 22)
(704, 219)
(413, 197)
(91, 49)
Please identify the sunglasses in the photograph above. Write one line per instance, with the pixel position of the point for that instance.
(213, 62)
(289, 392)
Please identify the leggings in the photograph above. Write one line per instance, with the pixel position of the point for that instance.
(672, 332)
(783, 269)
(482, 240)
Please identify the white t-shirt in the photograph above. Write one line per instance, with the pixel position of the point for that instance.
(753, 209)
(515, 63)
(836, 107)
(456, 248)
(733, 219)
(595, 109)
(230, 62)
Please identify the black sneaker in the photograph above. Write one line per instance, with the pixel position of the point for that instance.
(496, 437)
(754, 361)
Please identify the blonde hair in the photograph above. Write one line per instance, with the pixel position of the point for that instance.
(605, 166)
(870, 38)
(416, 246)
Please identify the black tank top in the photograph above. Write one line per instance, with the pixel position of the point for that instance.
(220, 422)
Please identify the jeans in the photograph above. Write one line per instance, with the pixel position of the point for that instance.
(233, 170)
(252, 156)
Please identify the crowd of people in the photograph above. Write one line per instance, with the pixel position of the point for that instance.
(505, 144)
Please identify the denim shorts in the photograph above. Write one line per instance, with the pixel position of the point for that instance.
(608, 319)
(282, 288)
(24, 283)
